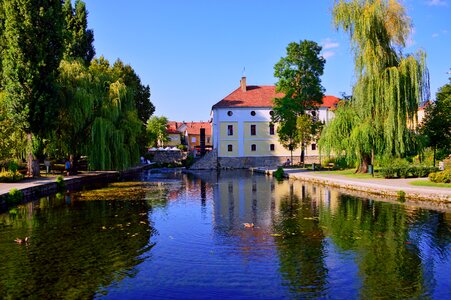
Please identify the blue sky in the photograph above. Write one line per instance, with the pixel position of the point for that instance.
(192, 52)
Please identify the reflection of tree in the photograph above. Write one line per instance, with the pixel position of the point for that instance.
(389, 262)
(300, 246)
(77, 251)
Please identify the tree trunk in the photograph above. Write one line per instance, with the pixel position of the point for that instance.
(435, 150)
(32, 164)
(364, 163)
(302, 156)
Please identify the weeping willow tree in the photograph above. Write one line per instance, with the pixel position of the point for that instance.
(116, 126)
(381, 117)
(99, 118)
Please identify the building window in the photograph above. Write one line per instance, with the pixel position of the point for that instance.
(272, 147)
(208, 140)
(271, 129)
(313, 146)
(253, 129)
(230, 113)
(229, 148)
(193, 140)
(253, 147)
(253, 113)
(229, 129)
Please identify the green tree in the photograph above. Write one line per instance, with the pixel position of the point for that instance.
(32, 49)
(436, 125)
(299, 80)
(78, 39)
(156, 130)
(141, 96)
(389, 85)
(116, 125)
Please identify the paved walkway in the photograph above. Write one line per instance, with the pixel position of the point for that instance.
(384, 187)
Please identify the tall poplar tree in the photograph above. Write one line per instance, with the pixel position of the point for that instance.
(389, 85)
(31, 55)
(78, 39)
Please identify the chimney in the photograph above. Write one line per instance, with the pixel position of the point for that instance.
(243, 83)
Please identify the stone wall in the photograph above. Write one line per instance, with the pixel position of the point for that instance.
(167, 157)
(265, 161)
(208, 162)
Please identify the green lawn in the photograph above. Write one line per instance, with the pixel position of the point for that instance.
(351, 173)
(430, 183)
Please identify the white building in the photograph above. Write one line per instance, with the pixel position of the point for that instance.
(244, 135)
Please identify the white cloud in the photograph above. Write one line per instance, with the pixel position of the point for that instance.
(328, 54)
(436, 3)
(329, 44)
(434, 35)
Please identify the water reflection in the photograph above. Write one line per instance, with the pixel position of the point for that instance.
(385, 250)
(187, 239)
(75, 249)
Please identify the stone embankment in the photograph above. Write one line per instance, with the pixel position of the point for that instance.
(38, 187)
(385, 188)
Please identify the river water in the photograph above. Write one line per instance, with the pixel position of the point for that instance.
(231, 235)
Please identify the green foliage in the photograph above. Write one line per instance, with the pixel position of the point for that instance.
(15, 196)
(60, 185)
(188, 161)
(389, 85)
(33, 36)
(10, 176)
(182, 147)
(279, 174)
(401, 196)
(401, 168)
(441, 177)
(299, 80)
(157, 130)
(78, 40)
(436, 125)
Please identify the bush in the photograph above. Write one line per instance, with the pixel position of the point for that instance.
(279, 174)
(402, 168)
(182, 147)
(15, 196)
(188, 161)
(441, 177)
(10, 176)
(401, 196)
(60, 185)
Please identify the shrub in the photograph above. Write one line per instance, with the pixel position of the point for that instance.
(401, 168)
(388, 172)
(60, 185)
(279, 174)
(15, 196)
(188, 161)
(441, 177)
(10, 176)
(182, 147)
(401, 196)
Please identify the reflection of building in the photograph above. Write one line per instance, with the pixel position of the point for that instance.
(243, 133)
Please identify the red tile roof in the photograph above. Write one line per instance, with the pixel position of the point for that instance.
(172, 126)
(194, 127)
(261, 96)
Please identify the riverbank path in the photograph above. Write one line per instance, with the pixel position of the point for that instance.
(389, 187)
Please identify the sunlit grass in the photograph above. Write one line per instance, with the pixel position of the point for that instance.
(351, 173)
(430, 183)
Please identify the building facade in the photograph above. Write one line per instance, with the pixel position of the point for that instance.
(244, 135)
